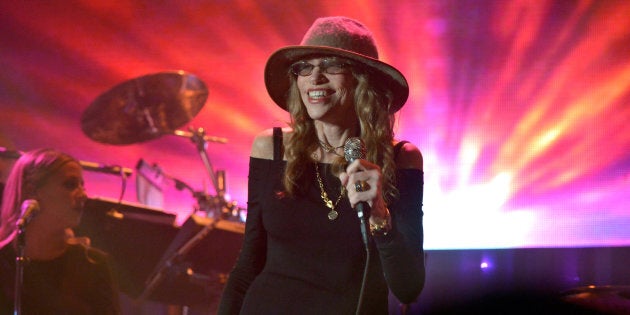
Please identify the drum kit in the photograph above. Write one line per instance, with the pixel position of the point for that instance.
(152, 106)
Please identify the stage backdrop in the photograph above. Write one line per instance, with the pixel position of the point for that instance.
(521, 108)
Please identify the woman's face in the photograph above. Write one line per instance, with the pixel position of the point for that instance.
(326, 87)
(62, 197)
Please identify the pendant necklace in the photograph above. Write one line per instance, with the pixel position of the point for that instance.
(332, 214)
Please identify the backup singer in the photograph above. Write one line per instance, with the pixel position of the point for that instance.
(62, 274)
(303, 251)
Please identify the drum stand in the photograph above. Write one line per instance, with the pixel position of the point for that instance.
(214, 206)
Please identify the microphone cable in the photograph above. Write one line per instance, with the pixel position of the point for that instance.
(366, 266)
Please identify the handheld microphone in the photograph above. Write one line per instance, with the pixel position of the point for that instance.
(30, 208)
(353, 149)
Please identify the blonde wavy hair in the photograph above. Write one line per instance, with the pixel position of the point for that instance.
(372, 103)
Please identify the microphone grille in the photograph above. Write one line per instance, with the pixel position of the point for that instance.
(30, 203)
(353, 149)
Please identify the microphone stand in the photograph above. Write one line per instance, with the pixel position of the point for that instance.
(86, 165)
(19, 270)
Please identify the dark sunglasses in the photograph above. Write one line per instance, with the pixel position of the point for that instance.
(329, 66)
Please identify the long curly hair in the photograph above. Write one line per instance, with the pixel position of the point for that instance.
(372, 103)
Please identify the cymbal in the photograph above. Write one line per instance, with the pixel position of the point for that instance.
(144, 108)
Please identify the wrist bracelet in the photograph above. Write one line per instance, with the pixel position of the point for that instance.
(382, 226)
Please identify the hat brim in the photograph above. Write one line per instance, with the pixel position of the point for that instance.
(277, 67)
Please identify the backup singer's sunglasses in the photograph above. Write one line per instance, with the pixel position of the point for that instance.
(329, 66)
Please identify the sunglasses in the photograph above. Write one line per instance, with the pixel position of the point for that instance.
(329, 66)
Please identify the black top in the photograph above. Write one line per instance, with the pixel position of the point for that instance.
(295, 260)
(78, 282)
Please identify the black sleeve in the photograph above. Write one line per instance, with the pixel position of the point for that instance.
(253, 253)
(401, 251)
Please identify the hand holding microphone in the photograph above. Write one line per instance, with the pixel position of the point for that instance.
(363, 183)
(361, 178)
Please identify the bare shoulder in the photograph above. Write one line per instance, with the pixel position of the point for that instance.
(262, 146)
(409, 157)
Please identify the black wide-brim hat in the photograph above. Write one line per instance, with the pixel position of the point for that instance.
(335, 36)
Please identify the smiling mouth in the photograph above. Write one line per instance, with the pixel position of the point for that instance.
(316, 94)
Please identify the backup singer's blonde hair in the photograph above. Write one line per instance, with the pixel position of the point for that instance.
(377, 132)
(28, 174)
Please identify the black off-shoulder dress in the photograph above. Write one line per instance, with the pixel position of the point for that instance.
(295, 260)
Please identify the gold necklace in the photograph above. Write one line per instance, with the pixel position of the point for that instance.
(329, 148)
(332, 214)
